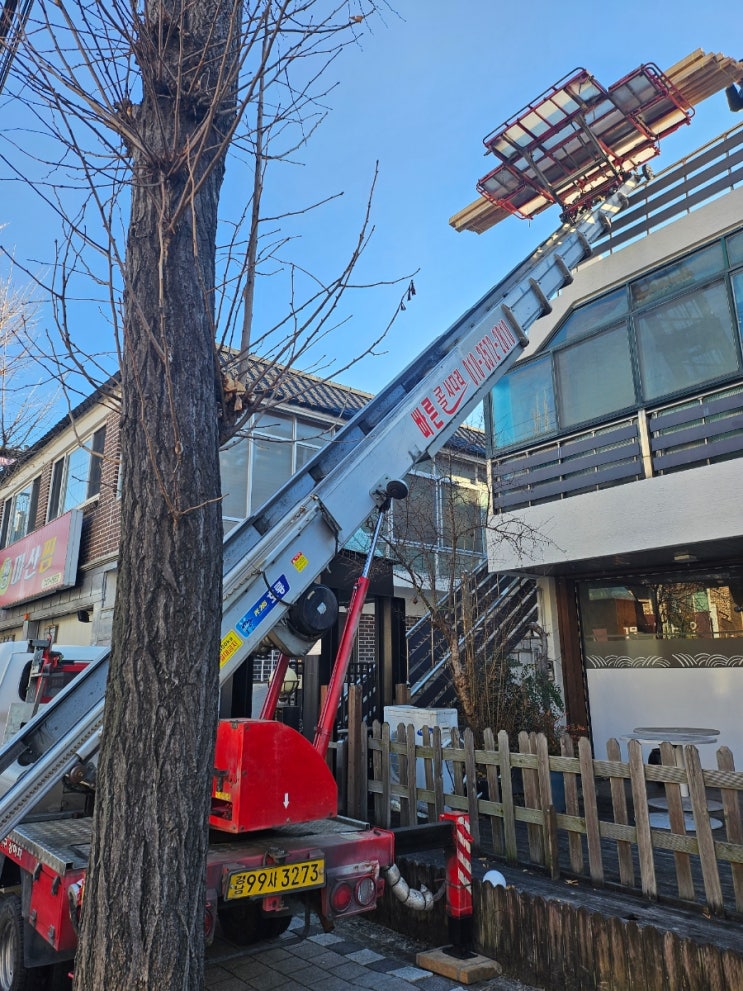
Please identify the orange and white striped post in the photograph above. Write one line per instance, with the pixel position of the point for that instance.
(459, 883)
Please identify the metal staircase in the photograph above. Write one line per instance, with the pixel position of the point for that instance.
(500, 612)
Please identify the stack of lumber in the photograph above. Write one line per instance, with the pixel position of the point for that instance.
(703, 74)
(695, 77)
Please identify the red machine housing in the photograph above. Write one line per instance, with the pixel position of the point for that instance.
(266, 774)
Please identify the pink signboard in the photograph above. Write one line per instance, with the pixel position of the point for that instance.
(43, 562)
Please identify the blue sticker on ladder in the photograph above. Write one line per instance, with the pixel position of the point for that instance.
(262, 607)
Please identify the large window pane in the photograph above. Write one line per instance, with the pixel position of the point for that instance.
(664, 623)
(463, 511)
(686, 342)
(273, 424)
(738, 293)
(78, 470)
(690, 271)
(524, 404)
(414, 518)
(592, 317)
(233, 465)
(594, 377)
(735, 248)
(272, 466)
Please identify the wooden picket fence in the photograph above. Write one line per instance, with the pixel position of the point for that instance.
(605, 832)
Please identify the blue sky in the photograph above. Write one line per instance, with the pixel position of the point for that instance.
(418, 94)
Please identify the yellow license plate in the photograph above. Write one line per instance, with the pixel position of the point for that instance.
(275, 879)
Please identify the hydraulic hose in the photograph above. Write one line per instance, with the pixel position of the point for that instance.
(419, 900)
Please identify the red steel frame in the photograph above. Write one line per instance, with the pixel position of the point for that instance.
(578, 140)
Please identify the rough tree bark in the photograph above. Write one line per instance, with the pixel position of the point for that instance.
(143, 910)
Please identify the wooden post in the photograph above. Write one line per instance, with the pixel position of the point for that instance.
(354, 779)
(590, 810)
(509, 820)
(698, 795)
(572, 808)
(412, 775)
(379, 814)
(402, 694)
(733, 825)
(531, 799)
(496, 822)
(619, 807)
(684, 878)
(470, 767)
(642, 821)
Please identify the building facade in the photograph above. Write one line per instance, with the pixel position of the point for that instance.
(617, 441)
(60, 523)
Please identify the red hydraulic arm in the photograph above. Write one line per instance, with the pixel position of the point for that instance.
(268, 710)
(395, 490)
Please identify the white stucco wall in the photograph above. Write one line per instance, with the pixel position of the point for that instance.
(671, 511)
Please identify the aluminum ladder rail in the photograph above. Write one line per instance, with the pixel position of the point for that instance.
(271, 558)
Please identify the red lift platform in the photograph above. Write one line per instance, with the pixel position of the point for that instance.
(579, 141)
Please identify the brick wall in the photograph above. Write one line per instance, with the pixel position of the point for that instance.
(366, 640)
(102, 519)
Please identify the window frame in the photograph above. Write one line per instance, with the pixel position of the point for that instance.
(9, 507)
(94, 446)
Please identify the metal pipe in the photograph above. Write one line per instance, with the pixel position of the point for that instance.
(268, 709)
(419, 900)
(358, 598)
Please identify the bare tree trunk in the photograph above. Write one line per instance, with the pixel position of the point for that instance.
(143, 911)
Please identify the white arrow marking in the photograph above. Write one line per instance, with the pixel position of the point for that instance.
(286, 799)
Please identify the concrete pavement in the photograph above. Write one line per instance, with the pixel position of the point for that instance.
(358, 954)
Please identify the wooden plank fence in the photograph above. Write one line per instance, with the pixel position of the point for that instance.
(605, 831)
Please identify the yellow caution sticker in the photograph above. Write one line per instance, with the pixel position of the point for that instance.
(231, 643)
(299, 561)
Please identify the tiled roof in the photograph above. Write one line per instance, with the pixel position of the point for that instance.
(300, 390)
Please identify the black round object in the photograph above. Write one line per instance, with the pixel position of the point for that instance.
(314, 612)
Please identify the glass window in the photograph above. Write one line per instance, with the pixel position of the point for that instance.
(651, 623)
(274, 425)
(19, 513)
(524, 403)
(592, 317)
(735, 248)
(271, 467)
(690, 271)
(463, 508)
(738, 295)
(686, 342)
(77, 477)
(233, 463)
(594, 377)
(414, 518)
(310, 438)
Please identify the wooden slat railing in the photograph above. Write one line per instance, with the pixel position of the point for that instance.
(605, 832)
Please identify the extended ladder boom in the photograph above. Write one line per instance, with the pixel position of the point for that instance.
(275, 555)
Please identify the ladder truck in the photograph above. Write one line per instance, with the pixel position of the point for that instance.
(579, 145)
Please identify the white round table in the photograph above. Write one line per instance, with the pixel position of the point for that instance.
(678, 737)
